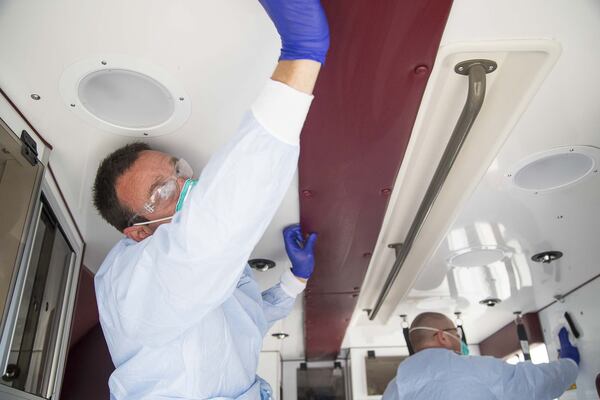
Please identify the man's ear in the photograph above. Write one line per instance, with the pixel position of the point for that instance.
(137, 233)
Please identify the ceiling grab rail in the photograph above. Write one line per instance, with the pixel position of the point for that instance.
(476, 71)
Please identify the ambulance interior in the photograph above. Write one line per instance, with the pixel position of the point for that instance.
(496, 228)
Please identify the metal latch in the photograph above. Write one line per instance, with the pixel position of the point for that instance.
(29, 148)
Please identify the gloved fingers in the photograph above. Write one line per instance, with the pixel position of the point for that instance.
(310, 242)
(290, 232)
(563, 337)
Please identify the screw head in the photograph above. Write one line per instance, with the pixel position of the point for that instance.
(181, 98)
(307, 194)
(386, 191)
(461, 68)
(103, 62)
(72, 105)
(421, 69)
(35, 96)
(145, 133)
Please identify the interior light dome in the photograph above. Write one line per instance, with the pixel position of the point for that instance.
(126, 99)
(476, 256)
(124, 95)
(555, 169)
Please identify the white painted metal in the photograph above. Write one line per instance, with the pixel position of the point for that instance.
(495, 212)
(269, 368)
(522, 67)
(582, 305)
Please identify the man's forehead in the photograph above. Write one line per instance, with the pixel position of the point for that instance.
(150, 167)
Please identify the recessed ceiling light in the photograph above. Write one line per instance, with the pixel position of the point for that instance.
(490, 302)
(477, 256)
(547, 257)
(261, 264)
(555, 169)
(123, 95)
(280, 335)
(126, 98)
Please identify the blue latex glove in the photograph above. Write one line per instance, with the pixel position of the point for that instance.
(300, 251)
(567, 350)
(302, 26)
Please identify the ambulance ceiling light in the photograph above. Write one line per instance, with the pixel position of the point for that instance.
(261, 264)
(477, 256)
(555, 169)
(126, 96)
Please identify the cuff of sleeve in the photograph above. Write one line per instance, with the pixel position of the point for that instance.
(291, 285)
(281, 110)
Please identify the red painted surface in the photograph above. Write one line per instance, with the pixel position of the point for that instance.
(366, 102)
(85, 313)
(505, 341)
(88, 364)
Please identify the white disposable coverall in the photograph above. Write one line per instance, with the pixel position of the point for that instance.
(180, 311)
(436, 374)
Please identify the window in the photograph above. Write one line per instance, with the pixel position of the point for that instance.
(321, 383)
(380, 371)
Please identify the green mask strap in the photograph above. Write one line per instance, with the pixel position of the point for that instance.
(464, 349)
(187, 186)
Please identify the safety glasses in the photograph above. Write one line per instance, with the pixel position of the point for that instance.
(163, 192)
(447, 330)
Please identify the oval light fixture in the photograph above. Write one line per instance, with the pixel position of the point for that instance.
(126, 96)
(555, 168)
(477, 256)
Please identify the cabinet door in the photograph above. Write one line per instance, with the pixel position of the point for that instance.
(33, 354)
(19, 193)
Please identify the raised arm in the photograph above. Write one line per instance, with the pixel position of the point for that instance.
(192, 265)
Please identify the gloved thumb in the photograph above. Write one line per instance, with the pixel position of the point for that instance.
(310, 242)
(563, 337)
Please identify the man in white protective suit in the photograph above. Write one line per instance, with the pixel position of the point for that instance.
(441, 369)
(179, 308)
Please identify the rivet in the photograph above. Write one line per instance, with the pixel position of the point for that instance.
(103, 62)
(307, 194)
(461, 68)
(366, 255)
(386, 191)
(35, 96)
(491, 68)
(421, 69)
(571, 150)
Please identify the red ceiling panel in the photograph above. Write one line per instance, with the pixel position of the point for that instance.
(366, 102)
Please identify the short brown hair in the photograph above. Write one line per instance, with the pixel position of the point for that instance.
(104, 190)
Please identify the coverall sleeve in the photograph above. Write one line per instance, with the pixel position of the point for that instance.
(191, 266)
(279, 300)
(526, 380)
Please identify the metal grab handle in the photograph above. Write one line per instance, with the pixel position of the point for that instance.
(476, 70)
